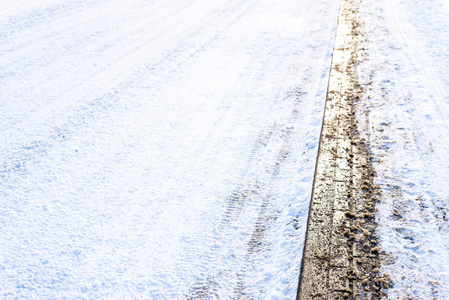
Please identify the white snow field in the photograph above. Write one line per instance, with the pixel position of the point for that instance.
(405, 116)
(164, 149)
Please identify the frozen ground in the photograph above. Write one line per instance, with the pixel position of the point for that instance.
(158, 149)
(405, 116)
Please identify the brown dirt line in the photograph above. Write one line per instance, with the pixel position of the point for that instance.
(341, 253)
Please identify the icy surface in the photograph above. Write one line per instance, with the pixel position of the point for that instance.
(158, 149)
(405, 117)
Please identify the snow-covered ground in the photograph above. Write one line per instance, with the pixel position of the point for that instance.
(405, 116)
(165, 149)
(161, 149)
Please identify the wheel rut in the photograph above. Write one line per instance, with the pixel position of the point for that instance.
(341, 252)
(253, 194)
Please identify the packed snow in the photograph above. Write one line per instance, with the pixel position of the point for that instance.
(405, 116)
(158, 149)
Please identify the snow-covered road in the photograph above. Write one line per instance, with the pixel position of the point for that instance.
(158, 149)
(404, 114)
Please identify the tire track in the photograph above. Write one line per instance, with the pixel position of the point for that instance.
(79, 114)
(254, 195)
(340, 259)
(257, 194)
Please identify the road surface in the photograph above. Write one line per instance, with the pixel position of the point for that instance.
(158, 149)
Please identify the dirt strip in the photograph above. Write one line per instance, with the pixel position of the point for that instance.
(341, 252)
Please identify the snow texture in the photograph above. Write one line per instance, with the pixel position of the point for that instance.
(405, 116)
(164, 149)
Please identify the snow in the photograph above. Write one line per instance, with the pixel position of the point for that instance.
(157, 149)
(404, 115)
(166, 149)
